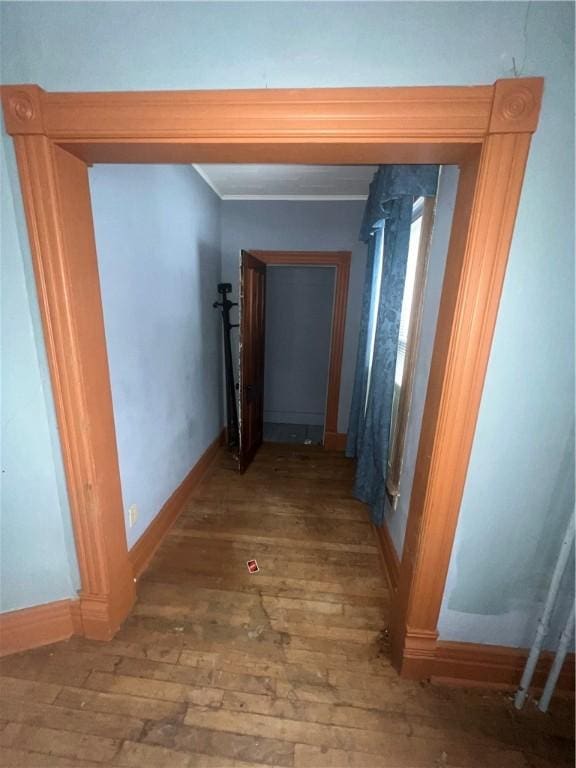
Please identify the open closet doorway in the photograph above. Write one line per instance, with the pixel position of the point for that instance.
(299, 303)
(292, 320)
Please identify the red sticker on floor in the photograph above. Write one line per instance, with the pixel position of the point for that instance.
(252, 566)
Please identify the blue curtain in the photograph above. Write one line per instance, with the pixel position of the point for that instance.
(388, 215)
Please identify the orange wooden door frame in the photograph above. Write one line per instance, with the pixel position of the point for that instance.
(486, 130)
(340, 260)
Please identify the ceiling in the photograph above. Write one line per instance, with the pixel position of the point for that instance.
(288, 182)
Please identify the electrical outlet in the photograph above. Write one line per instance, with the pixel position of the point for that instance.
(132, 515)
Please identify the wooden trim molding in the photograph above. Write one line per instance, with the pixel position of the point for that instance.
(143, 551)
(486, 130)
(40, 625)
(516, 105)
(76, 614)
(59, 215)
(494, 666)
(388, 556)
(341, 261)
(462, 347)
(423, 112)
(335, 441)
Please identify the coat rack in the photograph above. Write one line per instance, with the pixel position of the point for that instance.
(232, 433)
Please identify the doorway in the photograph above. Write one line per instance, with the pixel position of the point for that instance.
(299, 303)
(486, 130)
(253, 269)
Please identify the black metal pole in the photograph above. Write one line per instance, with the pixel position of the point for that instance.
(233, 436)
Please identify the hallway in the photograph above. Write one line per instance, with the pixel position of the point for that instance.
(287, 667)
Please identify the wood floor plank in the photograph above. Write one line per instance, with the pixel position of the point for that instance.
(226, 670)
(296, 617)
(161, 648)
(59, 674)
(151, 756)
(327, 714)
(66, 719)
(121, 704)
(262, 749)
(135, 755)
(294, 731)
(19, 758)
(407, 752)
(16, 688)
(324, 693)
(138, 686)
(233, 661)
(61, 743)
(326, 661)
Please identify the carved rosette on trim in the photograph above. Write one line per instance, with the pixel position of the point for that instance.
(516, 105)
(22, 111)
(21, 106)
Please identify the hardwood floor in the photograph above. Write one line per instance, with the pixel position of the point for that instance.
(286, 667)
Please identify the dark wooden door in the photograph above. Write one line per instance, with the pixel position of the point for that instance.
(253, 302)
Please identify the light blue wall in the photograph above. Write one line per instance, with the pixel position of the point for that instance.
(396, 519)
(299, 302)
(158, 237)
(37, 555)
(526, 415)
(302, 226)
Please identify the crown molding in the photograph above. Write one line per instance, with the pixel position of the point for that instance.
(297, 198)
(203, 175)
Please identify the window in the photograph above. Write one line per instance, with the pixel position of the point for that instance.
(420, 231)
(378, 246)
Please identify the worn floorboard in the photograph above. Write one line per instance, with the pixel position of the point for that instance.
(218, 668)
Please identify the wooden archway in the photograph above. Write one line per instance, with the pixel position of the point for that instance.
(486, 130)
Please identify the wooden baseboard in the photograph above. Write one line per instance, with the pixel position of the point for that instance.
(479, 665)
(335, 441)
(390, 560)
(100, 618)
(144, 549)
(76, 614)
(498, 665)
(39, 625)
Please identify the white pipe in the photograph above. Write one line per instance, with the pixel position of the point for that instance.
(544, 623)
(558, 661)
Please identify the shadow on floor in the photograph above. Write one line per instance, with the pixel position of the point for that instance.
(301, 434)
